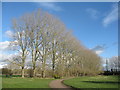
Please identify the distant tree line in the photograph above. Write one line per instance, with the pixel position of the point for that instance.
(112, 66)
(47, 47)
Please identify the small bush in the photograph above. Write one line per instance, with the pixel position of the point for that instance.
(56, 76)
(17, 75)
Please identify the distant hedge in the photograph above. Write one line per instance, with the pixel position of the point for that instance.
(10, 76)
(111, 73)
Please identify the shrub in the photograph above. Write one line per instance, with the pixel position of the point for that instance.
(56, 76)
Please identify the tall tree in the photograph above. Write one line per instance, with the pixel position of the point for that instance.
(21, 38)
(47, 40)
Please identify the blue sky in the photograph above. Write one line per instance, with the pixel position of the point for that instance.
(94, 24)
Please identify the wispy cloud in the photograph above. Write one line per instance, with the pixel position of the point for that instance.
(99, 49)
(51, 6)
(93, 13)
(111, 16)
(4, 45)
(9, 33)
(115, 44)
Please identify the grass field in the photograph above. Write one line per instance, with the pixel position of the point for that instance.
(93, 82)
(25, 83)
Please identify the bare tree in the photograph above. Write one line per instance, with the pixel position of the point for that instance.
(48, 41)
(21, 37)
(113, 63)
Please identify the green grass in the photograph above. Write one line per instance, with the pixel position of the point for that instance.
(25, 83)
(93, 82)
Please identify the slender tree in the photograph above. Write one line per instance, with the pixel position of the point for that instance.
(21, 38)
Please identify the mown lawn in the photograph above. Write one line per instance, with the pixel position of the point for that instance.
(25, 83)
(94, 82)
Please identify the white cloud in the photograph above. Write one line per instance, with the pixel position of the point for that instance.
(99, 49)
(4, 57)
(111, 16)
(50, 6)
(4, 45)
(9, 33)
(93, 13)
(6, 52)
(7, 45)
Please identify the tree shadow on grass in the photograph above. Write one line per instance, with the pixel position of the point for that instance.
(109, 82)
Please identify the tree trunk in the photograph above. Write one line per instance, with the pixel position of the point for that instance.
(53, 58)
(34, 69)
(34, 72)
(22, 72)
(43, 72)
(43, 67)
(53, 64)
